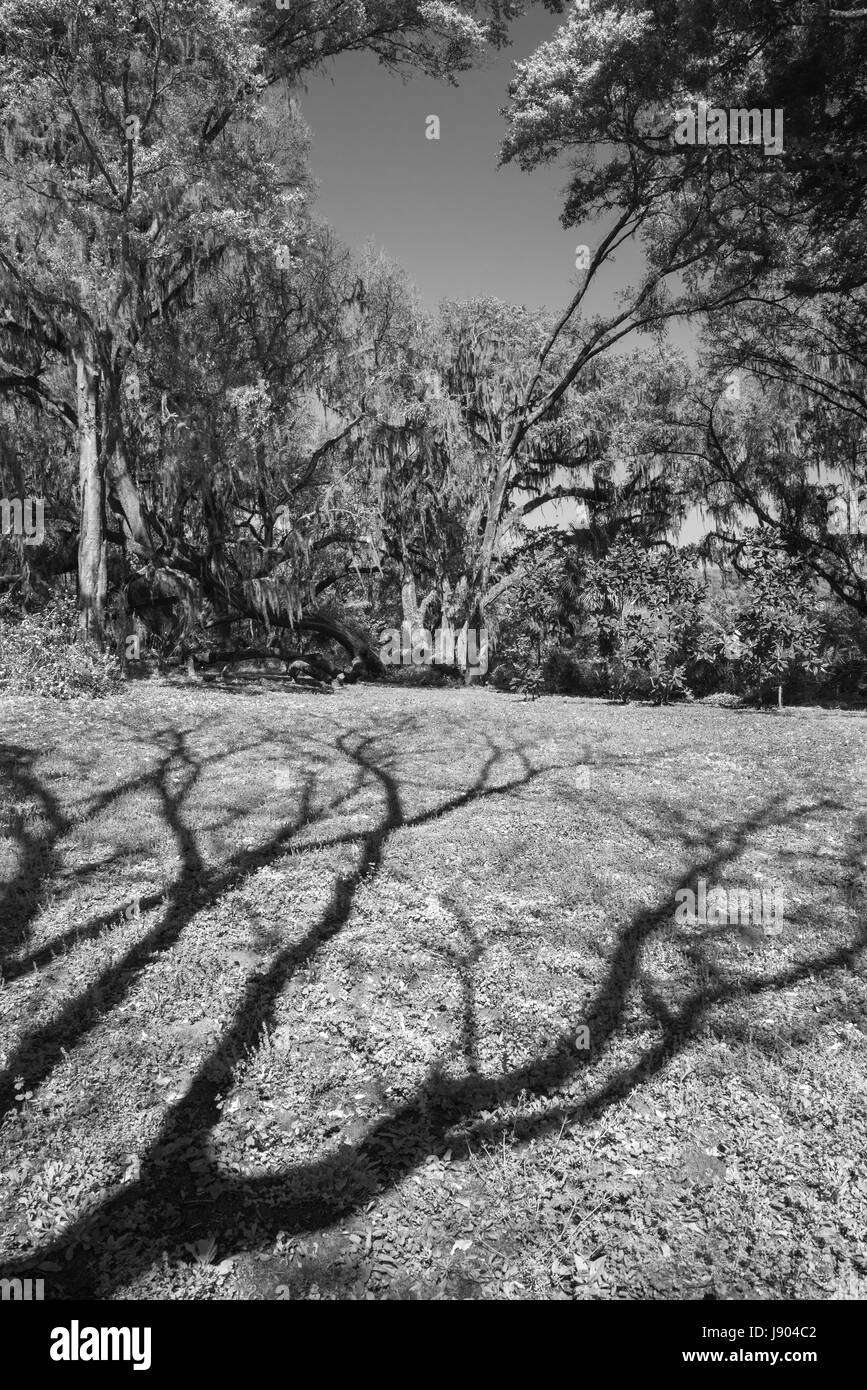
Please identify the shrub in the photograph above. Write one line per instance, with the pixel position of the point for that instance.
(420, 675)
(567, 673)
(40, 655)
(504, 674)
(647, 608)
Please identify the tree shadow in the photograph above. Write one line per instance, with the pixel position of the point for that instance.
(212, 885)
(465, 962)
(393, 1146)
(37, 857)
(195, 888)
(39, 860)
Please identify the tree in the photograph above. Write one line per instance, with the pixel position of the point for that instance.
(586, 90)
(132, 167)
(779, 457)
(116, 197)
(780, 624)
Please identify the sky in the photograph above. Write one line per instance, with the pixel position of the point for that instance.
(442, 209)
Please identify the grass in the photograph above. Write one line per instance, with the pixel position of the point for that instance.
(294, 988)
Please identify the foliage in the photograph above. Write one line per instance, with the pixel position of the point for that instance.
(40, 655)
(646, 606)
(767, 250)
(140, 161)
(281, 434)
(636, 623)
(781, 627)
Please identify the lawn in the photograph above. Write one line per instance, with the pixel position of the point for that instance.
(381, 994)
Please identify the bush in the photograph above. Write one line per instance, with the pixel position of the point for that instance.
(421, 675)
(627, 680)
(845, 639)
(504, 674)
(723, 699)
(40, 655)
(566, 673)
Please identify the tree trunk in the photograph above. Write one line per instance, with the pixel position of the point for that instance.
(481, 578)
(409, 598)
(91, 536)
(410, 614)
(139, 541)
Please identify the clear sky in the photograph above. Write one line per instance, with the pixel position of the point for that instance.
(442, 209)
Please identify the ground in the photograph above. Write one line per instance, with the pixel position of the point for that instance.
(381, 994)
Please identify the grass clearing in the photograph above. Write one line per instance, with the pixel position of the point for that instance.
(293, 991)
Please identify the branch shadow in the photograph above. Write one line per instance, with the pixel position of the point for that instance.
(439, 1104)
(194, 889)
(19, 902)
